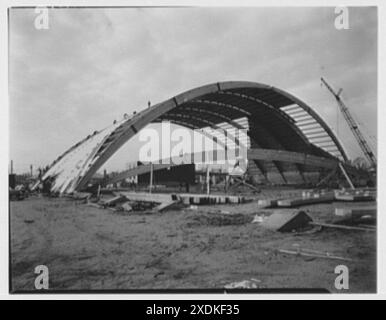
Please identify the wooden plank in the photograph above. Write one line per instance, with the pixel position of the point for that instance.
(314, 255)
(339, 226)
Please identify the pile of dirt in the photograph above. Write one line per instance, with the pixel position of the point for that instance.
(219, 219)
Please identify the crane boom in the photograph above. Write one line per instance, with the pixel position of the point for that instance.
(353, 126)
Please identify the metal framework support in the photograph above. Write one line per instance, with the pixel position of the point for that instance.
(281, 171)
(328, 177)
(346, 175)
(263, 171)
(277, 163)
(301, 171)
(214, 114)
(279, 113)
(243, 182)
(223, 105)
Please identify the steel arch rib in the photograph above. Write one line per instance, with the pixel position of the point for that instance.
(318, 119)
(143, 118)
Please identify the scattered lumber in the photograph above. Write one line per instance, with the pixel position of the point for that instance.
(314, 255)
(369, 226)
(339, 226)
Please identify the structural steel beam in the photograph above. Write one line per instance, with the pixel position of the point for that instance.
(292, 157)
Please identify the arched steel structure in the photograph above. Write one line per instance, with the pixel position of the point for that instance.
(277, 120)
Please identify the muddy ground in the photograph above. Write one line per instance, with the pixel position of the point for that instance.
(86, 248)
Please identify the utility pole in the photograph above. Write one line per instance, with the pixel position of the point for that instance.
(151, 177)
(208, 180)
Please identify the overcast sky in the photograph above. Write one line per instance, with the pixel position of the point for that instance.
(93, 65)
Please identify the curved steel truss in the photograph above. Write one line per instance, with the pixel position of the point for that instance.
(277, 120)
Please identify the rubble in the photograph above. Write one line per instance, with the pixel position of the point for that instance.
(244, 284)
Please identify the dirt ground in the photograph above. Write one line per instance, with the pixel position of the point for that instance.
(86, 248)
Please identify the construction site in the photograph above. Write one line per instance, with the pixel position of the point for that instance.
(276, 204)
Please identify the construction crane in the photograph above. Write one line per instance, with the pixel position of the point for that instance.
(353, 126)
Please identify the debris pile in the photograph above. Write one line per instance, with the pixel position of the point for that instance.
(244, 284)
(220, 219)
